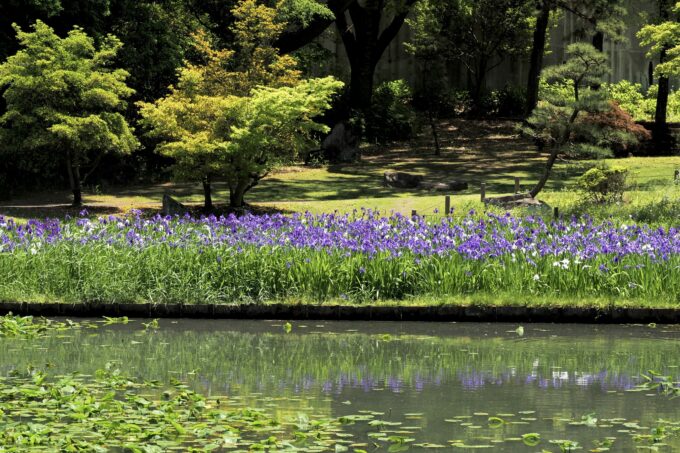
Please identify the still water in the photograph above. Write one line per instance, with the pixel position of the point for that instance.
(455, 385)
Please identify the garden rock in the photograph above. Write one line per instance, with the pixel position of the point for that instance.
(400, 180)
(341, 145)
(452, 186)
(173, 207)
(516, 201)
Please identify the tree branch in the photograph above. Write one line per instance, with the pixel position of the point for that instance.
(359, 16)
(294, 40)
(348, 38)
(577, 13)
(391, 31)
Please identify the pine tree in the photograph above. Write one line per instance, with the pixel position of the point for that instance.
(563, 124)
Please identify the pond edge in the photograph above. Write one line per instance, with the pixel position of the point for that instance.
(351, 312)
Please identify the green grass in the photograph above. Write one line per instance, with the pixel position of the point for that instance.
(474, 152)
(71, 272)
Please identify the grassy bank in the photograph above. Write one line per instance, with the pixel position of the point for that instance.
(365, 259)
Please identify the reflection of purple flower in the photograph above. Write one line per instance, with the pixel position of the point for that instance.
(395, 384)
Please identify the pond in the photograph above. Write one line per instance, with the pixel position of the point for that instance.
(536, 387)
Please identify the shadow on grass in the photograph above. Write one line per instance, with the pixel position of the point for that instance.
(472, 152)
(56, 211)
(222, 210)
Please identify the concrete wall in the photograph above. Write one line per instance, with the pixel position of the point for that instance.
(628, 60)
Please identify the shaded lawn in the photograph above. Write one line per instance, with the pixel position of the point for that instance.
(472, 151)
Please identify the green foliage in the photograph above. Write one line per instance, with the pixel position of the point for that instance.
(630, 97)
(25, 327)
(641, 104)
(480, 34)
(606, 16)
(664, 37)
(506, 102)
(156, 37)
(604, 184)
(301, 12)
(218, 274)
(241, 112)
(569, 94)
(665, 210)
(84, 413)
(391, 116)
(555, 122)
(608, 127)
(62, 15)
(64, 100)
(554, 89)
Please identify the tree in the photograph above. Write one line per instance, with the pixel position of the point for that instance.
(425, 46)
(157, 35)
(563, 124)
(544, 9)
(365, 40)
(305, 19)
(366, 26)
(64, 97)
(481, 34)
(597, 16)
(61, 15)
(239, 113)
(664, 42)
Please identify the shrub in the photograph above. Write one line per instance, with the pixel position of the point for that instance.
(665, 210)
(619, 131)
(511, 101)
(392, 116)
(460, 101)
(629, 96)
(508, 101)
(604, 184)
(554, 89)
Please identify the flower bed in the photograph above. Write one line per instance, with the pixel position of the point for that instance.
(357, 257)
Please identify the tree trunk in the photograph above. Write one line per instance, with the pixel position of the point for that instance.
(479, 81)
(365, 43)
(361, 83)
(207, 195)
(661, 134)
(74, 180)
(546, 174)
(555, 149)
(435, 135)
(661, 114)
(598, 41)
(237, 193)
(536, 59)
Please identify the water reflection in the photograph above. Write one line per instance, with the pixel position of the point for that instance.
(439, 370)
